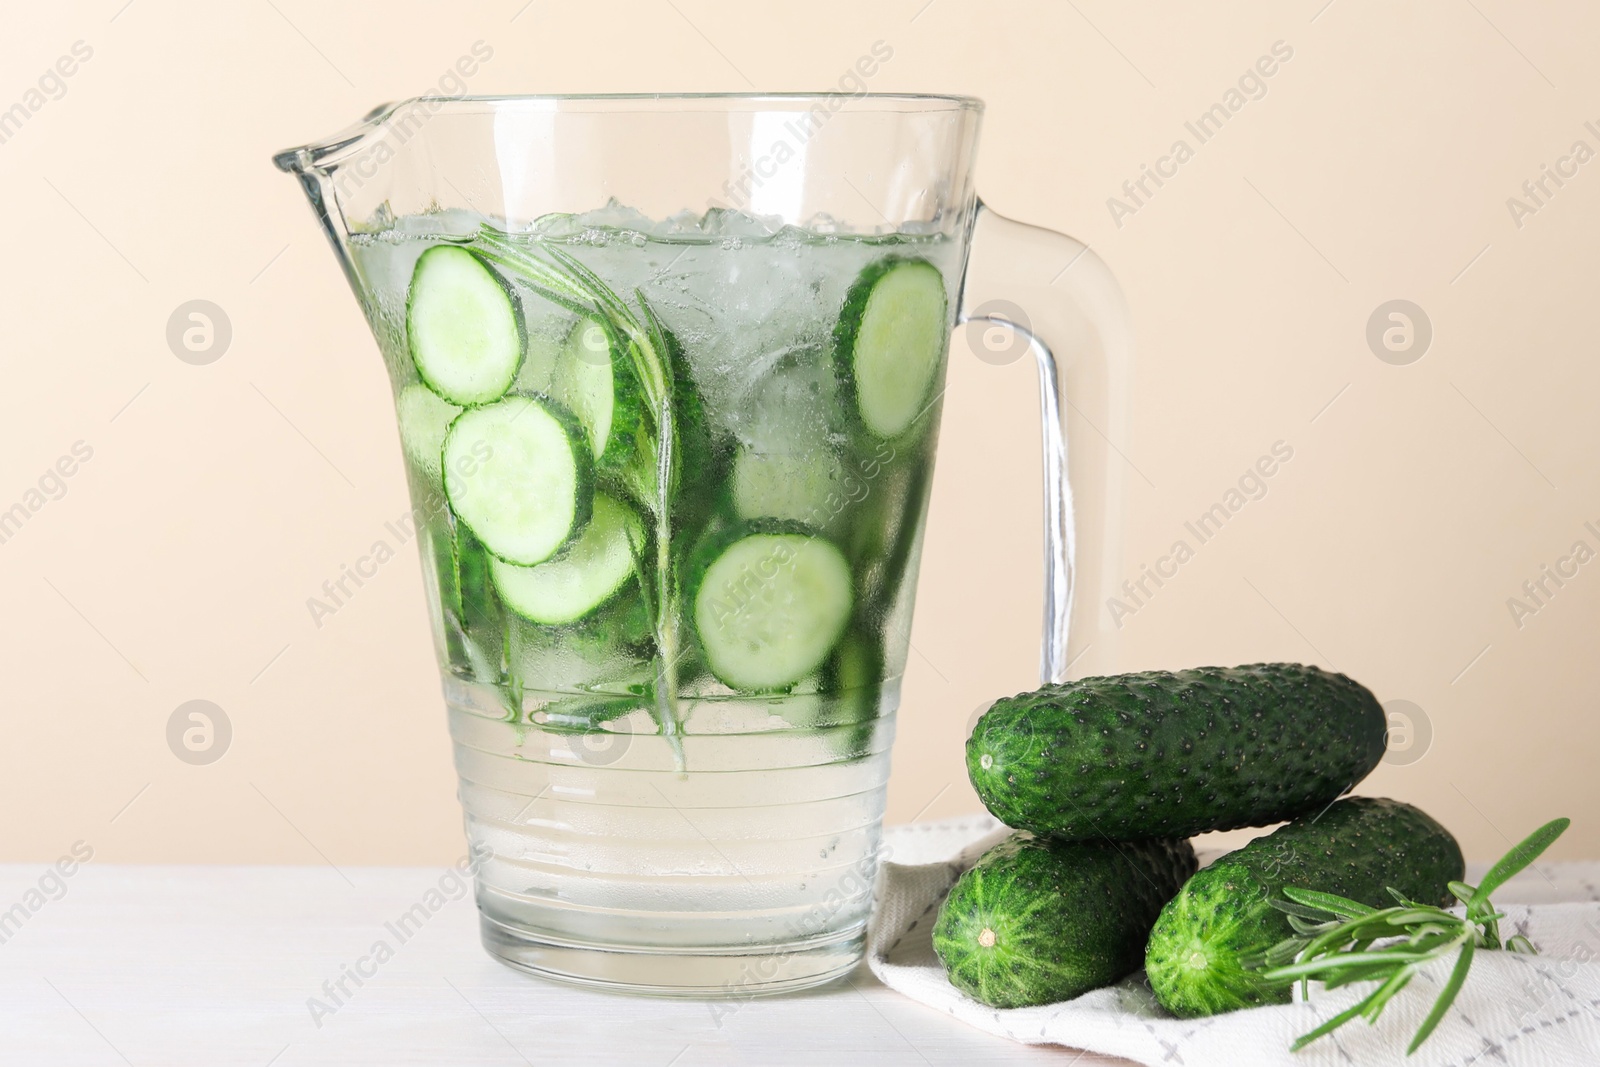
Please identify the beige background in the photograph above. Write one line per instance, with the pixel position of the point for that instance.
(219, 497)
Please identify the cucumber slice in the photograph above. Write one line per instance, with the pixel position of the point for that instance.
(845, 707)
(518, 474)
(787, 464)
(424, 420)
(890, 342)
(802, 487)
(478, 649)
(770, 606)
(854, 678)
(464, 327)
(599, 388)
(544, 340)
(582, 578)
(885, 534)
(702, 454)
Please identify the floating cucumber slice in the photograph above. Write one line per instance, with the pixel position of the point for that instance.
(598, 387)
(770, 606)
(800, 486)
(854, 678)
(787, 464)
(844, 709)
(588, 574)
(884, 534)
(473, 616)
(702, 454)
(518, 474)
(544, 340)
(424, 420)
(890, 342)
(463, 325)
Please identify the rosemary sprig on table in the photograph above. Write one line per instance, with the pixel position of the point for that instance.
(1335, 938)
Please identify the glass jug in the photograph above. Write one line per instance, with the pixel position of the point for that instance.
(668, 374)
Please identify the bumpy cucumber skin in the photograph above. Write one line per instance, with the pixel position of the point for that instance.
(1170, 754)
(849, 323)
(1062, 918)
(1222, 919)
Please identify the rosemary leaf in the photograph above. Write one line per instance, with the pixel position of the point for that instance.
(1343, 907)
(1447, 996)
(1513, 862)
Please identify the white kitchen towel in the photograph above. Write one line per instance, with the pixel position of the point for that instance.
(1515, 1010)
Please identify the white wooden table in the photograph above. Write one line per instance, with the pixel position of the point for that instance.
(214, 967)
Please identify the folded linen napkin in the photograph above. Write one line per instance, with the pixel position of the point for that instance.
(1515, 1010)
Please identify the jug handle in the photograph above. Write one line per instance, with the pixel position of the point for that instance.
(1056, 299)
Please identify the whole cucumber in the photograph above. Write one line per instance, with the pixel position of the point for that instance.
(1221, 921)
(1170, 754)
(1037, 921)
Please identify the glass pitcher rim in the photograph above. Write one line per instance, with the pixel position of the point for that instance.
(319, 151)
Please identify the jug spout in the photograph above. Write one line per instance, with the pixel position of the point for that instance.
(316, 163)
(319, 153)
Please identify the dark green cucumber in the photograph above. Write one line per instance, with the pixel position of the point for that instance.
(1037, 921)
(1164, 754)
(1202, 945)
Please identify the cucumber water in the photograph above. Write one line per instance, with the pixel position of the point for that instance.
(671, 478)
(728, 423)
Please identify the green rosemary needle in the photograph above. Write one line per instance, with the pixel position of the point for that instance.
(1339, 941)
